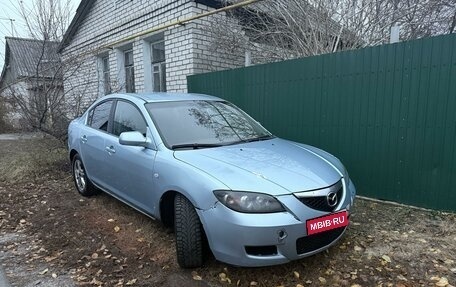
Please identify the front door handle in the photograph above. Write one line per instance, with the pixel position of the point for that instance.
(84, 139)
(110, 149)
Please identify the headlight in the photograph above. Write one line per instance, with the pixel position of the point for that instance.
(249, 202)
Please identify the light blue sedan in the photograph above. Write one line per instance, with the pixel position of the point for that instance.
(204, 167)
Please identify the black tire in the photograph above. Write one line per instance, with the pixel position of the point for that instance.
(83, 185)
(189, 233)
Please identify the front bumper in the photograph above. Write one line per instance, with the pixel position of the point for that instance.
(232, 235)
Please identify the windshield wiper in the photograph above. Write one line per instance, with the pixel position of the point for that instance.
(260, 138)
(195, 145)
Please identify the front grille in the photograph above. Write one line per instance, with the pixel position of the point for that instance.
(321, 202)
(316, 241)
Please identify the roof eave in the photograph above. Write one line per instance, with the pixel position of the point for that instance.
(82, 10)
(85, 6)
(216, 4)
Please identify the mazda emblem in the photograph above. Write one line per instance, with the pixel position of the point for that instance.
(331, 198)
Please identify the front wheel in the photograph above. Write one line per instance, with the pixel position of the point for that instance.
(189, 233)
(81, 181)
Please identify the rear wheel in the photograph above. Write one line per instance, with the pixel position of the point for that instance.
(189, 233)
(81, 181)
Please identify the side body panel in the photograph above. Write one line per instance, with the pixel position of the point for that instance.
(131, 174)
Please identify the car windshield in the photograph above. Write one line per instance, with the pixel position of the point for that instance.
(203, 124)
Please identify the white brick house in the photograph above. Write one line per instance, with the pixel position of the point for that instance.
(105, 55)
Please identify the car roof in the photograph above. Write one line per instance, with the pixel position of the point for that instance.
(168, 97)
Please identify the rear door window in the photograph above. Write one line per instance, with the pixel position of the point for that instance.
(100, 116)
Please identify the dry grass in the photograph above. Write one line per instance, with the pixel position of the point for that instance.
(31, 160)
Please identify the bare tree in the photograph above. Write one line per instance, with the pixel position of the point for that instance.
(283, 29)
(46, 19)
(39, 98)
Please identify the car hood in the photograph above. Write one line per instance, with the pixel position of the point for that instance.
(273, 166)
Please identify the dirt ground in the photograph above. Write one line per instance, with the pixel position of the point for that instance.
(50, 236)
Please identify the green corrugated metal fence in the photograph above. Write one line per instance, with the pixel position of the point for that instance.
(388, 112)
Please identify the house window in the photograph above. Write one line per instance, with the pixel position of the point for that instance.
(158, 66)
(106, 79)
(129, 72)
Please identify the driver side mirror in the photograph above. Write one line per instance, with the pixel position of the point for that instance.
(134, 138)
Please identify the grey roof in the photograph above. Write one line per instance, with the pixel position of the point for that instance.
(28, 54)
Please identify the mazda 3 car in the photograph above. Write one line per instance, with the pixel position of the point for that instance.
(205, 168)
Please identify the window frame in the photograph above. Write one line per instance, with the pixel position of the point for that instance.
(113, 114)
(106, 80)
(129, 67)
(92, 111)
(160, 64)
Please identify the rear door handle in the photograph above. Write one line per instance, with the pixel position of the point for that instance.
(110, 149)
(84, 139)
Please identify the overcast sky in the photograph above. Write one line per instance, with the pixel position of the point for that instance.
(9, 9)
